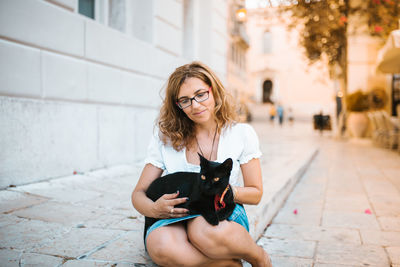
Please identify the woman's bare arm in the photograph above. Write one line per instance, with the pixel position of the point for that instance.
(252, 190)
(160, 208)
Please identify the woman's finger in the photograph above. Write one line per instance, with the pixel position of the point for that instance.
(177, 201)
(180, 211)
(171, 196)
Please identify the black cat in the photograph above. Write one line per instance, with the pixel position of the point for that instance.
(209, 191)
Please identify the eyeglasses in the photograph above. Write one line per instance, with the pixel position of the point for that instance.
(185, 102)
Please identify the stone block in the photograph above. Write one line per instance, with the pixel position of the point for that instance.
(64, 77)
(146, 119)
(88, 263)
(313, 233)
(10, 200)
(104, 44)
(390, 223)
(220, 24)
(380, 189)
(57, 192)
(136, 52)
(71, 215)
(388, 205)
(221, 8)
(306, 215)
(349, 220)
(332, 265)
(19, 69)
(220, 43)
(141, 90)
(10, 257)
(129, 249)
(288, 248)
(126, 220)
(104, 84)
(27, 234)
(218, 65)
(110, 46)
(312, 195)
(42, 24)
(349, 254)
(88, 239)
(63, 129)
(8, 219)
(35, 259)
(170, 11)
(347, 203)
(112, 201)
(280, 261)
(168, 37)
(394, 254)
(116, 130)
(166, 63)
(381, 238)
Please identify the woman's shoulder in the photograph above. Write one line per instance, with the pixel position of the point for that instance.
(239, 128)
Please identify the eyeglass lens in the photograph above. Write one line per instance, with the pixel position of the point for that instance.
(200, 97)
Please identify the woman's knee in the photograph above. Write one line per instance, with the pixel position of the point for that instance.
(210, 240)
(170, 247)
(162, 244)
(159, 249)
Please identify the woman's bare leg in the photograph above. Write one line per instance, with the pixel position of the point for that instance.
(226, 240)
(169, 246)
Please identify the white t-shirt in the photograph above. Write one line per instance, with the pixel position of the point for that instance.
(240, 143)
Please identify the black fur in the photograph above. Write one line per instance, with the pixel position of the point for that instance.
(201, 193)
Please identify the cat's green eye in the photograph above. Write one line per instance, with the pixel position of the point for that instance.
(202, 177)
(216, 179)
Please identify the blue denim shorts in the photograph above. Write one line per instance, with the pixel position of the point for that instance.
(238, 215)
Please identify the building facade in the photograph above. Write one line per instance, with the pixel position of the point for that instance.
(237, 76)
(279, 72)
(81, 81)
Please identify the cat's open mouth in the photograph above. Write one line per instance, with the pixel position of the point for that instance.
(219, 202)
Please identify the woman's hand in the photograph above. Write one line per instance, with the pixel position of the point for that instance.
(164, 207)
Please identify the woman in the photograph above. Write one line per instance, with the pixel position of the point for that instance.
(197, 116)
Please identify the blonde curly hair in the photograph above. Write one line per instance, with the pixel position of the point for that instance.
(175, 127)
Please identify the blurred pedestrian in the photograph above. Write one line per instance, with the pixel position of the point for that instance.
(272, 113)
(290, 116)
(280, 113)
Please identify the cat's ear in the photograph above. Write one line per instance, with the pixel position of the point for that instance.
(227, 164)
(203, 160)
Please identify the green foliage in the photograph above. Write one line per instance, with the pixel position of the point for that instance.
(383, 16)
(378, 98)
(325, 26)
(324, 31)
(357, 101)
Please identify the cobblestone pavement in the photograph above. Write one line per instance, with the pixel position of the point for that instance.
(347, 205)
(345, 211)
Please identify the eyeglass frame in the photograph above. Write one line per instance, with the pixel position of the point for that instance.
(194, 98)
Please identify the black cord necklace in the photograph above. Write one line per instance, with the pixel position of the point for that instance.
(212, 148)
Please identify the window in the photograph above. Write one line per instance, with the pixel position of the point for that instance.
(111, 13)
(267, 43)
(86, 8)
(116, 14)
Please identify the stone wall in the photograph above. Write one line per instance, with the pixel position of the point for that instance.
(77, 94)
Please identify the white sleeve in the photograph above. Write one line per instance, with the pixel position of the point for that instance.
(251, 148)
(154, 152)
